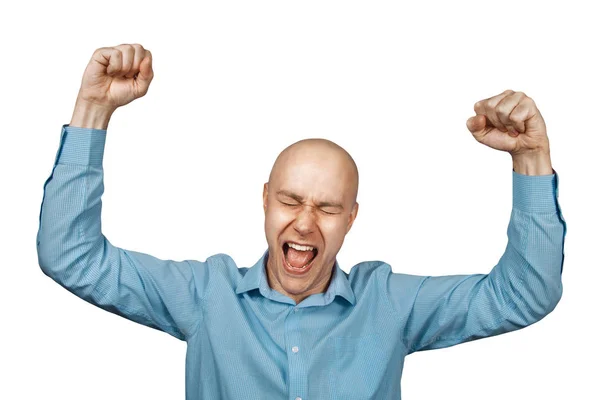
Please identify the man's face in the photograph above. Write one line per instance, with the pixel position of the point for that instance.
(309, 201)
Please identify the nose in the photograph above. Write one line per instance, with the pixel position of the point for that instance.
(305, 221)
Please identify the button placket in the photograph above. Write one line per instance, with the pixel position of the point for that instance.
(296, 362)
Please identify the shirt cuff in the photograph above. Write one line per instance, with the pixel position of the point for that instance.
(82, 146)
(535, 193)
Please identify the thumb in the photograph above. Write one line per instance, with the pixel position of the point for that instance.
(476, 123)
(142, 82)
(146, 73)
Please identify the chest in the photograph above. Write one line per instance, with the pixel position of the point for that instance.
(281, 351)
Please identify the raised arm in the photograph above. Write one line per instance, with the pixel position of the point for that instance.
(162, 294)
(526, 284)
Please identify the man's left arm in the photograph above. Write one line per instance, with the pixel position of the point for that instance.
(525, 285)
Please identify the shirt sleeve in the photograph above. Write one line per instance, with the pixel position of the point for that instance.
(520, 290)
(162, 294)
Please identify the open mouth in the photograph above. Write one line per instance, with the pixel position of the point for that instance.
(299, 257)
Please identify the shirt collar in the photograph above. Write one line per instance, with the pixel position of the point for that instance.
(255, 278)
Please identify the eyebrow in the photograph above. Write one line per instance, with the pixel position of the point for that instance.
(300, 199)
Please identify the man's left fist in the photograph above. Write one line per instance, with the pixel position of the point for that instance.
(509, 122)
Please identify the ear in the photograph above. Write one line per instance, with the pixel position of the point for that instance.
(265, 195)
(352, 217)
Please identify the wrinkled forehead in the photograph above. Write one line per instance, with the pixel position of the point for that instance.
(318, 172)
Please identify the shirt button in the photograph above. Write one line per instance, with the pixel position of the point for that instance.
(295, 349)
(295, 310)
(298, 398)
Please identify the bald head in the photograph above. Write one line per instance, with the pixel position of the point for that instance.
(322, 154)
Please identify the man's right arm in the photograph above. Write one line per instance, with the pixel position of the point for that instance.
(162, 294)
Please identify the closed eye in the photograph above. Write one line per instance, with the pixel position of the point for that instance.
(329, 213)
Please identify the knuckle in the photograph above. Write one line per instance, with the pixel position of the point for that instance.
(503, 110)
(515, 118)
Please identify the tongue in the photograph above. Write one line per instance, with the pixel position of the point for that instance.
(297, 258)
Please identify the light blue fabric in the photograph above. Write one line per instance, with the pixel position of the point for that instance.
(247, 341)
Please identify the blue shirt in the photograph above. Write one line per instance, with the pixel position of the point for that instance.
(247, 341)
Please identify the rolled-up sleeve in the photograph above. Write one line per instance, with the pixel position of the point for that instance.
(162, 294)
(524, 287)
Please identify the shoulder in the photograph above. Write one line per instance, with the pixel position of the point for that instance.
(381, 272)
(368, 274)
(367, 269)
(217, 269)
(224, 265)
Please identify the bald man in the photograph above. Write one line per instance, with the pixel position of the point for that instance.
(295, 325)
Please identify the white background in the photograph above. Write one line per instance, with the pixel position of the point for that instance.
(236, 82)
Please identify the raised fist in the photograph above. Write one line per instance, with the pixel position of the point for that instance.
(509, 122)
(116, 76)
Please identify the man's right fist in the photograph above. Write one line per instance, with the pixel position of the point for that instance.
(116, 76)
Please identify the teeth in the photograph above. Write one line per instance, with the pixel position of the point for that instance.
(304, 267)
(300, 247)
